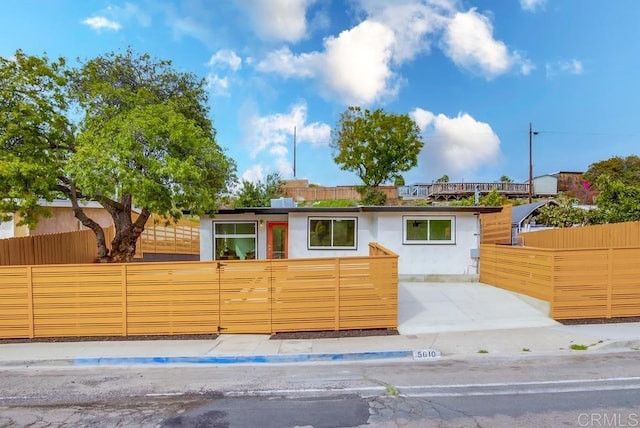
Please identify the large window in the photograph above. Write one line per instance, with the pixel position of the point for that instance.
(429, 230)
(234, 241)
(332, 233)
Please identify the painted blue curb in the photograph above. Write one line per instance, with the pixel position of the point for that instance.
(241, 359)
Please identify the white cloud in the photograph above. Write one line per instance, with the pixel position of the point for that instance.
(274, 134)
(572, 66)
(279, 20)
(101, 23)
(354, 66)
(412, 22)
(276, 130)
(532, 5)
(283, 62)
(455, 145)
(111, 17)
(468, 41)
(225, 58)
(359, 65)
(254, 174)
(218, 85)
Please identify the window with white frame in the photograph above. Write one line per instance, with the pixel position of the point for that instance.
(429, 230)
(234, 240)
(332, 233)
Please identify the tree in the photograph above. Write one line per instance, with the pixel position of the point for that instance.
(376, 145)
(259, 194)
(443, 179)
(565, 214)
(142, 139)
(624, 169)
(494, 199)
(505, 179)
(617, 201)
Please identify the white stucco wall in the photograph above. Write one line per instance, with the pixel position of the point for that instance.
(298, 235)
(430, 259)
(6, 229)
(386, 228)
(206, 232)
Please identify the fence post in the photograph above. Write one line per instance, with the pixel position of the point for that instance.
(30, 303)
(610, 282)
(125, 321)
(337, 295)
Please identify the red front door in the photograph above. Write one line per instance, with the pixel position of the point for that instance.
(277, 240)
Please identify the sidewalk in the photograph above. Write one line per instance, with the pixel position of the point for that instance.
(457, 320)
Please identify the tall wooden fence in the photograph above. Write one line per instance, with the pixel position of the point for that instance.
(68, 247)
(320, 193)
(578, 283)
(495, 228)
(259, 296)
(161, 237)
(598, 236)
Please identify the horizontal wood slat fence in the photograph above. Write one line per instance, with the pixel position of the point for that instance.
(578, 283)
(248, 296)
(495, 228)
(80, 246)
(597, 236)
(58, 248)
(161, 237)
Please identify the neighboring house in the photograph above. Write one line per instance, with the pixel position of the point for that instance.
(429, 240)
(545, 185)
(522, 218)
(61, 220)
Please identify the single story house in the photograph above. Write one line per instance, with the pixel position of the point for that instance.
(430, 241)
(61, 219)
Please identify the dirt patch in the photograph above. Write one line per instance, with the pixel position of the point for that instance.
(110, 338)
(331, 334)
(599, 320)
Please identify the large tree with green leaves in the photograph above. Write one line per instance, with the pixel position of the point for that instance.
(258, 194)
(376, 145)
(125, 130)
(624, 169)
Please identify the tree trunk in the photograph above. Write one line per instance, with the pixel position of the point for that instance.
(123, 246)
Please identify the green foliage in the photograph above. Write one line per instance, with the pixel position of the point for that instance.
(142, 138)
(398, 180)
(259, 194)
(376, 145)
(443, 179)
(331, 203)
(494, 199)
(617, 201)
(372, 196)
(505, 179)
(624, 169)
(565, 214)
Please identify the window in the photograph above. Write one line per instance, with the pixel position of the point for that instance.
(429, 230)
(234, 241)
(332, 233)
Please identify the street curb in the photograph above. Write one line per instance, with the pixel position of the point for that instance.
(241, 359)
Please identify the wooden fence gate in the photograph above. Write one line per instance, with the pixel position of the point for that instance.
(239, 296)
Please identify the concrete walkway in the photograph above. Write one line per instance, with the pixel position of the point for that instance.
(457, 320)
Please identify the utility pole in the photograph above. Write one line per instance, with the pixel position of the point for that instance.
(531, 134)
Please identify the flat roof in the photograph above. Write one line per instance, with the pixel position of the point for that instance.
(358, 209)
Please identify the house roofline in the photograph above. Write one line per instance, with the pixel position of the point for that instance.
(358, 209)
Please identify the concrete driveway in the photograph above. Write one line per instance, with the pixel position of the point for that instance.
(440, 307)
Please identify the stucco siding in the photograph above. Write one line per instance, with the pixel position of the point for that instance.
(299, 235)
(431, 259)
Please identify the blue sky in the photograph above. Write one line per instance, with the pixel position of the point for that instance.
(472, 73)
